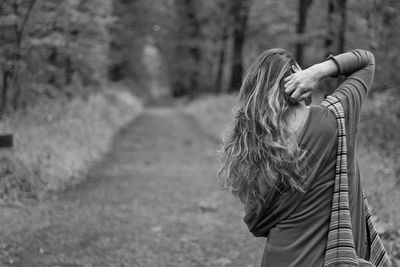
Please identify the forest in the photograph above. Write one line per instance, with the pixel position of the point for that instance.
(51, 48)
(75, 74)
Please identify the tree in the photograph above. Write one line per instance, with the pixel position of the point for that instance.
(223, 6)
(189, 44)
(335, 38)
(15, 18)
(301, 28)
(42, 49)
(134, 21)
(19, 28)
(342, 26)
(240, 12)
(193, 32)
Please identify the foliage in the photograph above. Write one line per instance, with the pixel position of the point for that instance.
(381, 125)
(128, 38)
(196, 39)
(48, 45)
(62, 41)
(380, 143)
(56, 142)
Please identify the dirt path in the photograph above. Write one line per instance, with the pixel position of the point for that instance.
(153, 201)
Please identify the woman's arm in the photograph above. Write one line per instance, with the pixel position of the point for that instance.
(357, 64)
(301, 84)
(359, 69)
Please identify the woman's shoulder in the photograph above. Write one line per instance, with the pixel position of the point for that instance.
(321, 126)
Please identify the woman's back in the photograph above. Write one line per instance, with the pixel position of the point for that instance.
(300, 239)
(295, 224)
(262, 171)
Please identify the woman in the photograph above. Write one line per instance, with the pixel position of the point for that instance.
(280, 156)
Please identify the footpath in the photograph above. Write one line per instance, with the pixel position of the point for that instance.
(153, 201)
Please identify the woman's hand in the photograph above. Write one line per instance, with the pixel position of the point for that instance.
(301, 84)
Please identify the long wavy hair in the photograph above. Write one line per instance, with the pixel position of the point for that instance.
(259, 153)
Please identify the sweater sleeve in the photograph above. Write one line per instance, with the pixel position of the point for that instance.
(358, 67)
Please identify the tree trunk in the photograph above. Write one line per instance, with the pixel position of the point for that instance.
(17, 88)
(190, 33)
(221, 59)
(68, 71)
(4, 92)
(240, 13)
(330, 34)
(342, 26)
(53, 61)
(335, 36)
(335, 39)
(194, 77)
(194, 50)
(237, 68)
(19, 33)
(301, 29)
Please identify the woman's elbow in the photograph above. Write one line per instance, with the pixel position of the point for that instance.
(371, 57)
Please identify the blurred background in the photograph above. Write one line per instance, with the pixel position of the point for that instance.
(82, 81)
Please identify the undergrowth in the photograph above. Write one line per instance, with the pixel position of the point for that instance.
(56, 142)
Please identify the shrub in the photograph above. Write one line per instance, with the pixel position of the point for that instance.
(56, 142)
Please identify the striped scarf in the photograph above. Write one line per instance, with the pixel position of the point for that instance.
(340, 249)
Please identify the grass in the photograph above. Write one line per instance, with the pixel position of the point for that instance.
(379, 141)
(378, 151)
(154, 201)
(56, 142)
